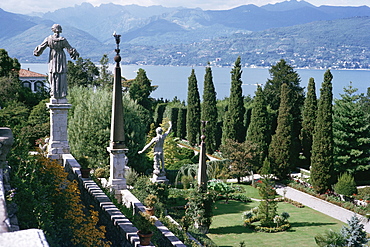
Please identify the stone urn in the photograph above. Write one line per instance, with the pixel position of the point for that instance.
(6, 141)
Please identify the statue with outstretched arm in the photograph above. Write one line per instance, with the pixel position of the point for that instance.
(158, 149)
(57, 64)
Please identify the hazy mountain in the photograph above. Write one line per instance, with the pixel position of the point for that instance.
(341, 43)
(287, 5)
(160, 35)
(13, 24)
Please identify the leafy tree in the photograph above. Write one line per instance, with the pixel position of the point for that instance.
(193, 112)
(280, 150)
(89, 126)
(258, 131)
(209, 111)
(354, 234)
(38, 124)
(9, 90)
(322, 141)
(9, 67)
(242, 157)
(14, 116)
(233, 125)
(105, 76)
(351, 131)
(141, 89)
(308, 123)
(346, 185)
(82, 73)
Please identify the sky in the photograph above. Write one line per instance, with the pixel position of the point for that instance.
(29, 6)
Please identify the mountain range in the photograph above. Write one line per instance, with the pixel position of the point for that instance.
(303, 34)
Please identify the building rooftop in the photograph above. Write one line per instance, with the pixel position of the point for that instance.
(28, 73)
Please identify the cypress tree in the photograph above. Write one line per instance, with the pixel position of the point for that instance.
(308, 123)
(259, 128)
(233, 126)
(280, 150)
(193, 110)
(209, 111)
(181, 123)
(322, 140)
(283, 73)
(141, 89)
(351, 130)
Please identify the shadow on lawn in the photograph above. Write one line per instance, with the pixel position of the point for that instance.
(305, 224)
(230, 229)
(231, 207)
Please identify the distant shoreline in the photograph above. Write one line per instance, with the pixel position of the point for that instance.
(220, 66)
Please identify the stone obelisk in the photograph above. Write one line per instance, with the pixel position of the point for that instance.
(202, 169)
(117, 149)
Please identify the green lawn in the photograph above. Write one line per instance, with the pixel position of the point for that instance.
(250, 191)
(227, 226)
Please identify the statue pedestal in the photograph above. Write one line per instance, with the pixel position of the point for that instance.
(159, 179)
(58, 143)
(6, 142)
(117, 180)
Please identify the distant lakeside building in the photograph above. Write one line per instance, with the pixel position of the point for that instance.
(32, 80)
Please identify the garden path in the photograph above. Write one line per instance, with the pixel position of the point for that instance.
(320, 205)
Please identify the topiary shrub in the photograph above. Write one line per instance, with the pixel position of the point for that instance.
(346, 185)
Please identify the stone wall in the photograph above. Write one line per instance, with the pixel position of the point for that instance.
(119, 229)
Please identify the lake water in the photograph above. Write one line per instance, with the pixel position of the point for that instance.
(173, 81)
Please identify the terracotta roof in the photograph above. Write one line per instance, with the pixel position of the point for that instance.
(28, 73)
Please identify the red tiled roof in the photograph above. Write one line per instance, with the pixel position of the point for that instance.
(28, 73)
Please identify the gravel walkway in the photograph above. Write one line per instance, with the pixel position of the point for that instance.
(322, 206)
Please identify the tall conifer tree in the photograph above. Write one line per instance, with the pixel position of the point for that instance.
(209, 111)
(193, 112)
(233, 126)
(284, 73)
(322, 141)
(141, 89)
(351, 131)
(308, 123)
(258, 130)
(280, 150)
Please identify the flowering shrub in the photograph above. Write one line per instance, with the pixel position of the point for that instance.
(332, 197)
(200, 208)
(47, 200)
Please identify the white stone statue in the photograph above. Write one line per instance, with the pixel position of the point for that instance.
(158, 150)
(57, 61)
